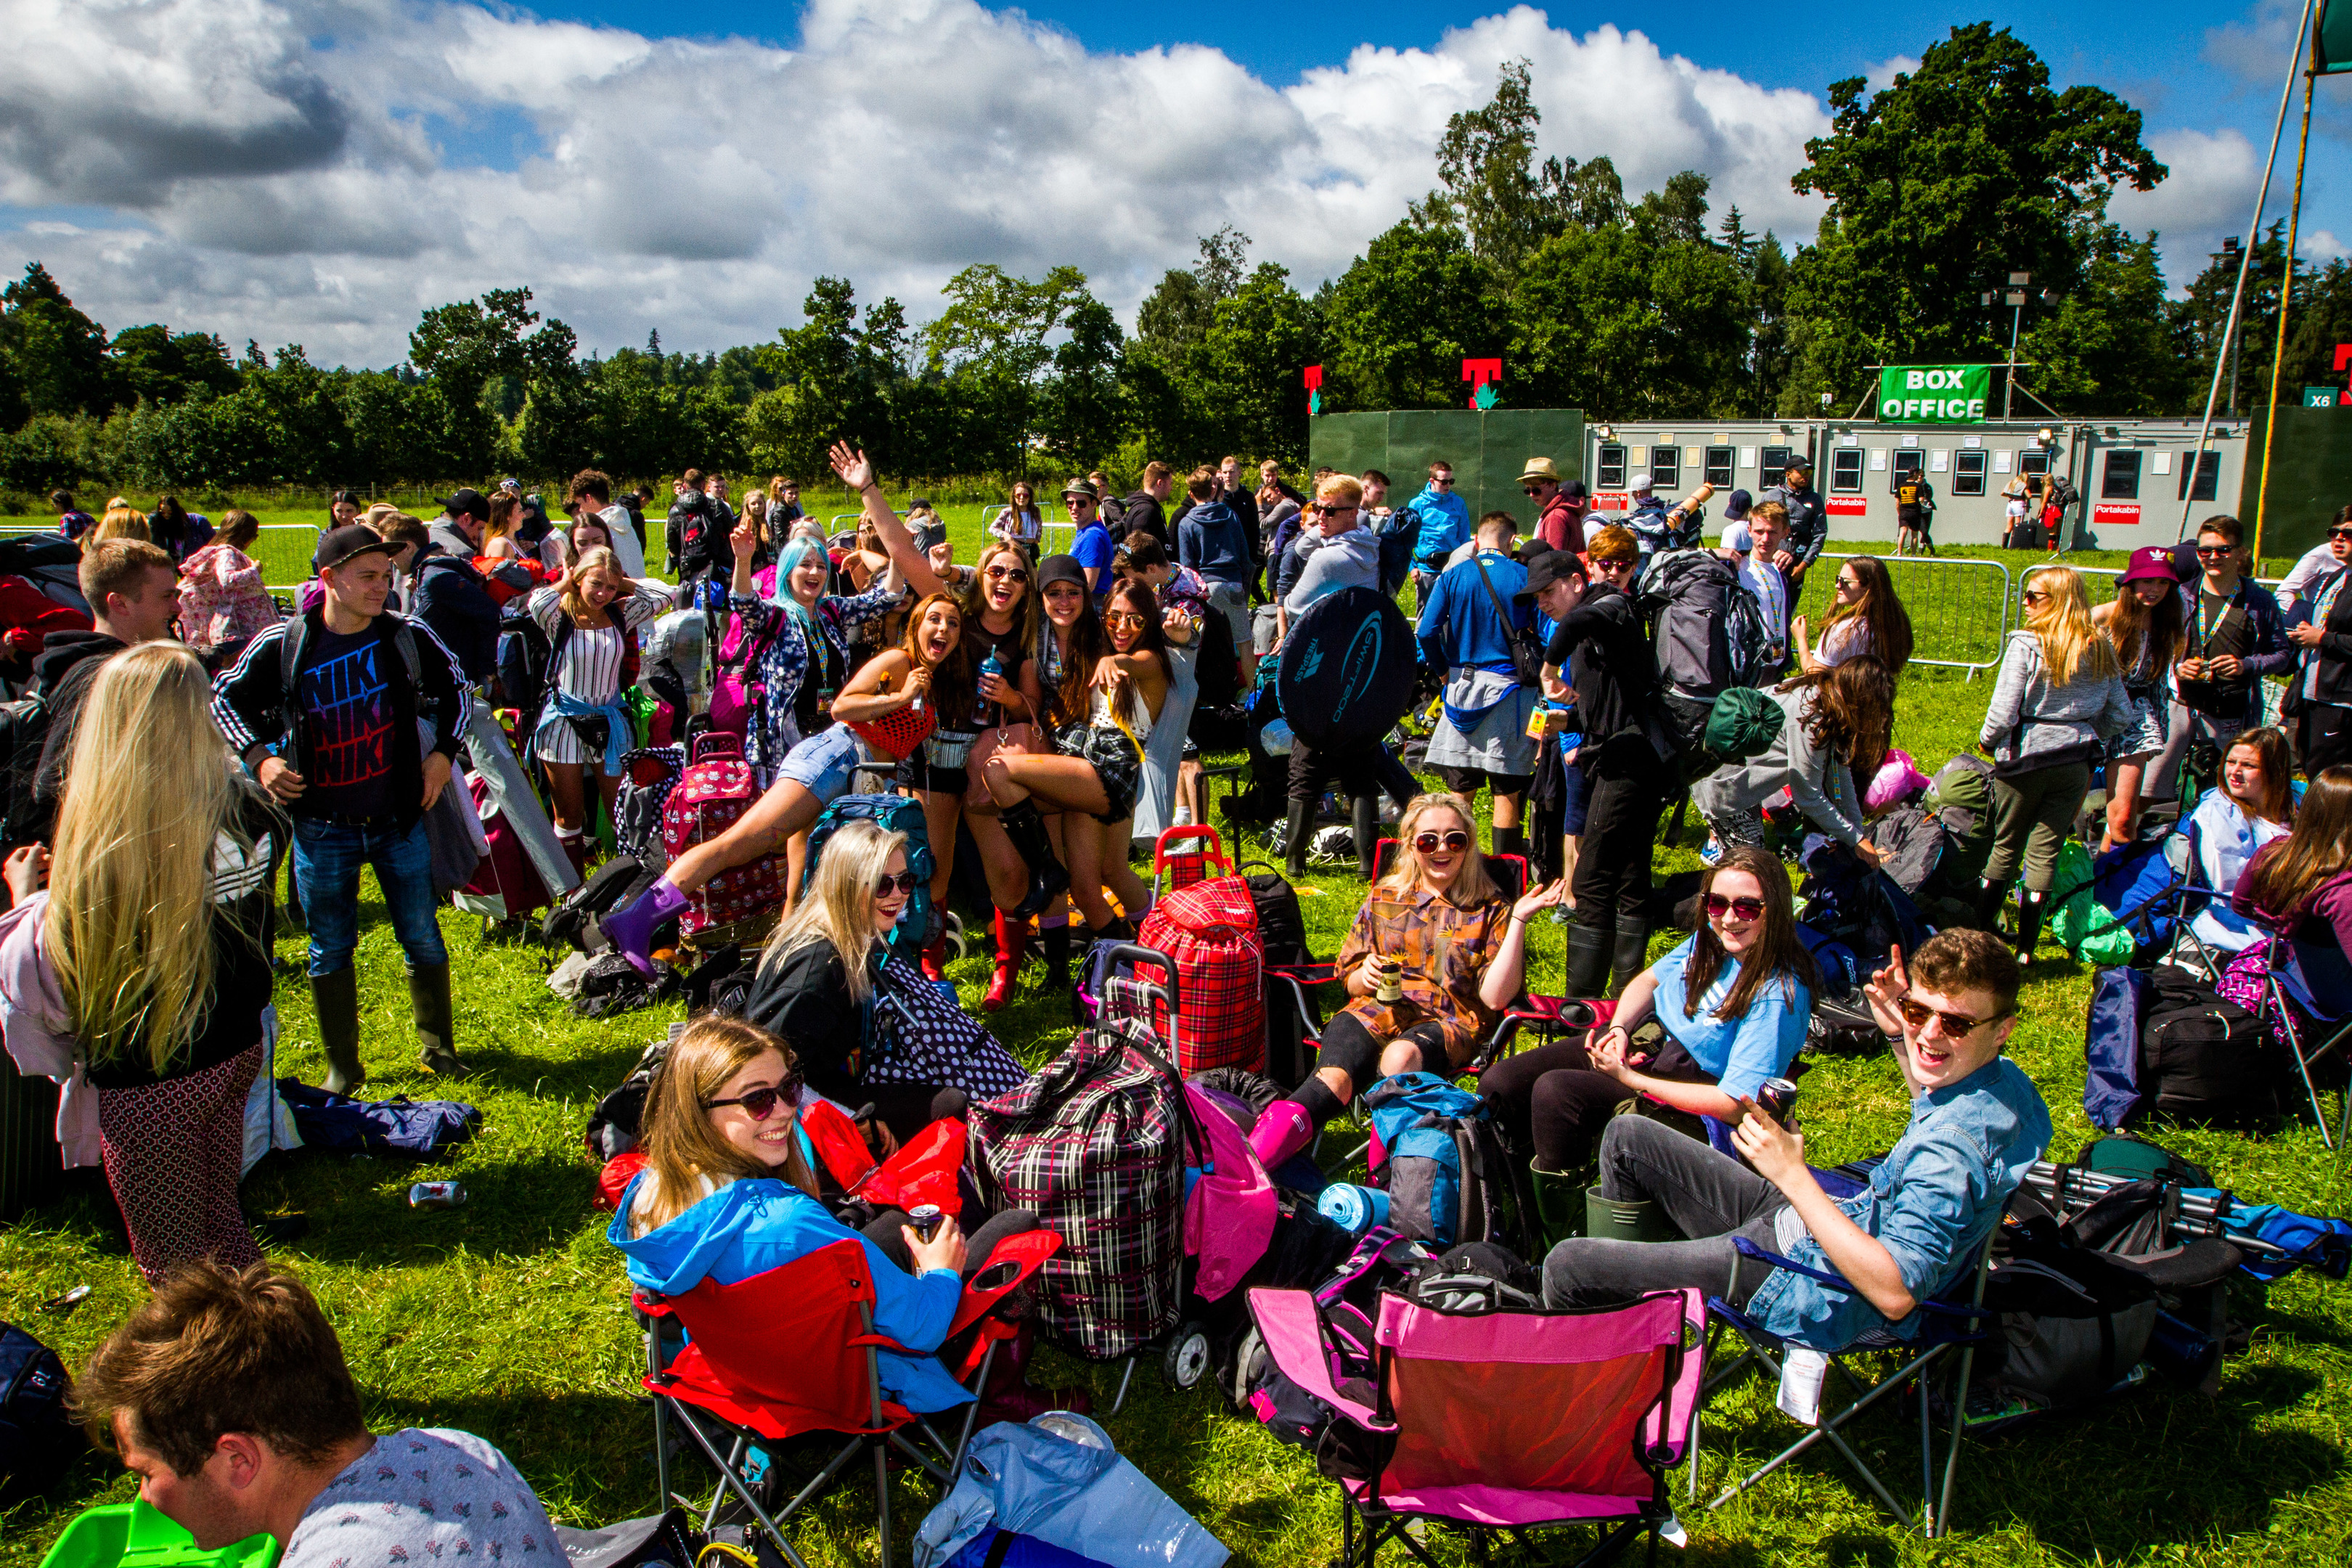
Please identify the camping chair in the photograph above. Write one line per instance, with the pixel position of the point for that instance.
(1948, 1326)
(2317, 978)
(1507, 1421)
(755, 1368)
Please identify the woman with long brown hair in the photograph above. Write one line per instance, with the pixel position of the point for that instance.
(1865, 616)
(1733, 1000)
(1839, 719)
(2144, 622)
(2059, 696)
(2300, 887)
(2252, 805)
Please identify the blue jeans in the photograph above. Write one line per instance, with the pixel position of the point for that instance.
(327, 860)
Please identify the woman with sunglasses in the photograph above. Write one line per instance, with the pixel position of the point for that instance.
(827, 972)
(2058, 697)
(733, 1186)
(1020, 523)
(1837, 723)
(1864, 616)
(2144, 621)
(1733, 1000)
(1460, 952)
(2321, 631)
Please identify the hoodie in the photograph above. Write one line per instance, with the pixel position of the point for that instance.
(1215, 541)
(69, 662)
(759, 1224)
(447, 594)
(1445, 521)
(1328, 562)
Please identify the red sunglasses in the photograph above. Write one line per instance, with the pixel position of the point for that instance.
(1428, 842)
(1719, 906)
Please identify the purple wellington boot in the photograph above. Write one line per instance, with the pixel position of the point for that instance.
(631, 928)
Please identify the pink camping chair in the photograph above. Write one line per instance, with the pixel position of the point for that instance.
(1507, 1421)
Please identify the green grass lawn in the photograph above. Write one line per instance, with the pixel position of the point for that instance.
(508, 1317)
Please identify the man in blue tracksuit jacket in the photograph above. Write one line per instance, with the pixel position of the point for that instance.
(1444, 526)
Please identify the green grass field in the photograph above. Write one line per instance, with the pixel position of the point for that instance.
(508, 1317)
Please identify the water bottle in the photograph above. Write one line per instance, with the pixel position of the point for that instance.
(991, 712)
(1355, 1209)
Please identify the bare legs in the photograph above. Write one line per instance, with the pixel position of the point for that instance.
(788, 807)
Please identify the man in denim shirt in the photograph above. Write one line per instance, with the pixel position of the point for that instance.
(1977, 1123)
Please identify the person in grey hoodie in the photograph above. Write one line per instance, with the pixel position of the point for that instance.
(1333, 553)
(1835, 718)
(2059, 695)
(1213, 541)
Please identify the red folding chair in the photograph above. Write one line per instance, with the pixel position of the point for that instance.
(793, 1351)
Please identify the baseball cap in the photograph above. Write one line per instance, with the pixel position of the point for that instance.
(1740, 504)
(348, 542)
(1551, 566)
(1798, 461)
(1640, 484)
(1575, 490)
(466, 500)
(1060, 569)
(2149, 562)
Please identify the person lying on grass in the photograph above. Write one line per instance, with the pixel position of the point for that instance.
(1977, 1123)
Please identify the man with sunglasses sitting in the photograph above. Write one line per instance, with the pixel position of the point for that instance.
(1976, 1124)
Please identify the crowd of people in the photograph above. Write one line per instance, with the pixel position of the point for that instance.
(200, 732)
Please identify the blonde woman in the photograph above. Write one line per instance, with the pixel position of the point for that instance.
(591, 614)
(142, 973)
(1460, 949)
(122, 520)
(2059, 696)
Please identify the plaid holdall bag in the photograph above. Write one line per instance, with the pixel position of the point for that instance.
(1094, 1145)
(1210, 929)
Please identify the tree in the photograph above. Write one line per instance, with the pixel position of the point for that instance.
(990, 342)
(1403, 317)
(1241, 379)
(1083, 414)
(1174, 315)
(2105, 348)
(153, 364)
(57, 355)
(2201, 316)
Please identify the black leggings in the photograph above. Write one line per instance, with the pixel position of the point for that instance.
(1551, 1102)
(1346, 1045)
(883, 1232)
(905, 1109)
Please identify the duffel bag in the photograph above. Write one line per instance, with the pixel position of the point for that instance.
(1209, 930)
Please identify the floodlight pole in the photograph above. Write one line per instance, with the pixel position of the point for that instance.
(2286, 297)
(2303, 36)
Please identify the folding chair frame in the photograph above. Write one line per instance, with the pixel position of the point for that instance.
(1765, 1349)
(2275, 998)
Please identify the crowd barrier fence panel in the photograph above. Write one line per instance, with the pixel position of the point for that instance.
(1959, 607)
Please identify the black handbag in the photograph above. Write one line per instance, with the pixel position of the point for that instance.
(1526, 650)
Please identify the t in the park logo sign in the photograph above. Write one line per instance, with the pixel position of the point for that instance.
(1933, 393)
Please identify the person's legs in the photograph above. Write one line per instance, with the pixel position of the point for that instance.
(1118, 872)
(2056, 798)
(1710, 1197)
(2124, 781)
(327, 860)
(1508, 1086)
(2327, 738)
(1568, 1114)
(564, 787)
(2162, 777)
(942, 813)
(905, 1109)
(403, 869)
(172, 1165)
(1084, 839)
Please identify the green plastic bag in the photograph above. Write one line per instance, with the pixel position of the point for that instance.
(2089, 933)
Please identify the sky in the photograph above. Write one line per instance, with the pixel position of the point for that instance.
(321, 170)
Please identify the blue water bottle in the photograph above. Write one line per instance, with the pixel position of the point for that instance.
(991, 712)
(1355, 1209)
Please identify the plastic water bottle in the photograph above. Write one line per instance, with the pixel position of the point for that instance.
(991, 712)
(1354, 1208)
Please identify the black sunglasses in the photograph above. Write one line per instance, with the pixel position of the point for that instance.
(1007, 574)
(2215, 551)
(762, 1102)
(2339, 533)
(905, 881)
(1956, 1024)
(1322, 511)
(1428, 842)
(1717, 905)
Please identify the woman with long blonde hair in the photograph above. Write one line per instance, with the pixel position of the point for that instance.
(122, 520)
(1437, 932)
(2057, 698)
(143, 972)
(592, 616)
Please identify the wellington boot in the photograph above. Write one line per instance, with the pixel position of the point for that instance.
(428, 1003)
(2030, 910)
(336, 998)
(935, 958)
(1301, 828)
(1025, 826)
(1011, 941)
(1589, 952)
(1990, 896)
(1560, 1204)
(1628, 953)
(1057, 957)
(1367, 834)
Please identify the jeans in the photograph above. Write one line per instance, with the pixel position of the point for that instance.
(1709, 1195)
(327, 859)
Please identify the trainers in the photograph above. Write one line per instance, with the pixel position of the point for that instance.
(1713, 852)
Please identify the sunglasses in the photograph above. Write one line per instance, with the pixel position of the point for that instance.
(1321, 511)
(1126, 618)
(1430, 843)
(1956, 1024)
(1007, 574)
(1603, 564)
(1077, 504)
(1719, 906)
(2215, 551)
(2339, 533)
(1441, 483)
(762, 1102)
(2033, 595)
(905, 882)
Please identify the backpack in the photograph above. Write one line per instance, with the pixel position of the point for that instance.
(1095, 1144)
(1435, 1152)
(1347, 1310)
(718, 787)
(422, 1128)
(49, 564)
(892, 814)
(39, 1438)
(735, 696)
(297, 637)
(2204, 1060)
(647, 776)
(916, 1033)
(1209, 931)
(1282, 933)
(23, 733)
(524, 658)
(1708, 634)
(1397, 539)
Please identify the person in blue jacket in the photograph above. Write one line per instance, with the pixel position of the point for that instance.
(730, 1191)
(1443, 527)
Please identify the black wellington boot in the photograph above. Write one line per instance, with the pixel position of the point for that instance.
(1025, 826)
(1301, 828)
(1589, 952)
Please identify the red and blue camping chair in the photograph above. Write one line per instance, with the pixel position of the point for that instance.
(1509, 1421)
(793, 1351)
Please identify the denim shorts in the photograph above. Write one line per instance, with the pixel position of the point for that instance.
(824, 765)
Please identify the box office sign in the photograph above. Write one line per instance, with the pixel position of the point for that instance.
(1933, 393)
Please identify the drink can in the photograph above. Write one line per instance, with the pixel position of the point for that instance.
(1776, 1095)
(1355, 1208)
(925, 1218)
(436, 1195)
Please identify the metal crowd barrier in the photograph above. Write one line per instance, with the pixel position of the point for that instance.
(1959, 607)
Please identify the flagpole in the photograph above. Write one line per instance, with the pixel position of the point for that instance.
(2303, 35)
(2286, 297)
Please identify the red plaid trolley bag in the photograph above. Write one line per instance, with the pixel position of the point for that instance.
(1094, 1145)
(718, 787)
(1210, 929)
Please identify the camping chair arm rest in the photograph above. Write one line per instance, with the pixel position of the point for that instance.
(1026, 1251)
(1298, 977)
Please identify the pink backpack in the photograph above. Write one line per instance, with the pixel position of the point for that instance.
(717, 788)
(735, 694)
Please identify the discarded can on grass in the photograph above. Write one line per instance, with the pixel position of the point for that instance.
(925, 1218)
(1354, 1208)
(436, 1195)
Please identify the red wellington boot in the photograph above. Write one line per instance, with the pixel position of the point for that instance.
(1011, 941)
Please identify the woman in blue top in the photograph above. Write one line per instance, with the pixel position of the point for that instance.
(729, 1190)
(1733, 1000)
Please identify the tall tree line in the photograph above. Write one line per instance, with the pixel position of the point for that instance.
(1938, 185)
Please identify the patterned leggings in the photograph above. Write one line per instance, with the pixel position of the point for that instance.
(172, 1153)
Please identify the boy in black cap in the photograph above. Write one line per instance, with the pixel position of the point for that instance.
(350, 715)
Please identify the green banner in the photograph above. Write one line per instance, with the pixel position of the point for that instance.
(1935, 393)
(2331, 51)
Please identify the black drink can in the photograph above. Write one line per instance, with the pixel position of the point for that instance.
(1776, 1095)
(925, 1218)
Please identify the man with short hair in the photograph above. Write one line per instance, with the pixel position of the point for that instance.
(1467, 630)
(1147, 509)
(1808, 520)
(2236, 635)
(1213, 541)
(1093, 547)
(593, 491)
(1441, 522)
(134, 595)
(326, 710)
(227, 1395)
(1768, 535)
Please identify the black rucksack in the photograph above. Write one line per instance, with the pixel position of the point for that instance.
(23, 731)
(1289, 1053)
(2203, 1059)
(39, 1439)
(524, 656)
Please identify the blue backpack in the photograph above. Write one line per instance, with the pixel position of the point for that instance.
(892, 814)
(421, 1128)
(1436, 1151)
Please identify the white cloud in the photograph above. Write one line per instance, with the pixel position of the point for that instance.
(273, 170)
(1882, 76)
